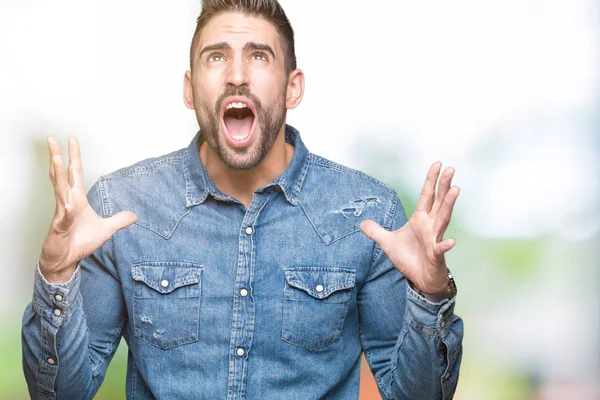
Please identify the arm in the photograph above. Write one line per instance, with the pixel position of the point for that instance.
(413, 345)
(73, 325)
(66, 356)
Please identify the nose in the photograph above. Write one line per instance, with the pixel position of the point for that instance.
(236, 72)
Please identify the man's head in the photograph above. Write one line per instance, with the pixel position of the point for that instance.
(243, 78)
(269, 10)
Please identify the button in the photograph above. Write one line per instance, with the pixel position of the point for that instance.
(443, 324)
(240, 352)
(58, 297)
(249, 230)
(51, 361)
(243, 293)
(164, 283)
(319, 288)
(57, 312)
(447, 376)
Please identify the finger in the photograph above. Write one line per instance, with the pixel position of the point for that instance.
(443, 218)
(54, 150)
(60, 180)
(376, 233)
(75, 167)
(428, 192)
(443, 188)
(120, 220)
(443, 247)
(67, 218)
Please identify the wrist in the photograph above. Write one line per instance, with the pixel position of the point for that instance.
(63, 275)
(448, 290)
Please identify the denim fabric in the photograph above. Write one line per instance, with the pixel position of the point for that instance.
(216, 301)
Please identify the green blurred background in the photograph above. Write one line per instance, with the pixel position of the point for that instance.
(504, 91)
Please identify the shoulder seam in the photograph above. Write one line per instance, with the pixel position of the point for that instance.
(323, 162)
(148, 168)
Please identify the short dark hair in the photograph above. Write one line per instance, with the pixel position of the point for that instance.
(270, 10)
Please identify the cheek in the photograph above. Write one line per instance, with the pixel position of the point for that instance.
(270, 88)
(207, 88)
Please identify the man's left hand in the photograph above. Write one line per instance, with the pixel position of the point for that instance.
(417, 249)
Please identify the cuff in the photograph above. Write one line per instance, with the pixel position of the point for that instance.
(55, 301)
(428, 316)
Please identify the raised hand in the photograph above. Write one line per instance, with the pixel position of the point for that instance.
(76, 230)
(417, 249)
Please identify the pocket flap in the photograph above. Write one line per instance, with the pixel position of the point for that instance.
(166, 277)
(320, 282)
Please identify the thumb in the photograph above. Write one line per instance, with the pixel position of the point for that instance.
(121, 220)
(443, 247)
(376, 233)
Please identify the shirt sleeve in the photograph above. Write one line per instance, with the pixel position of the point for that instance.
(413, 346)
(70, 331)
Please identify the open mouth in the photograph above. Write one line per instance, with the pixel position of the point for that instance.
(238, 121)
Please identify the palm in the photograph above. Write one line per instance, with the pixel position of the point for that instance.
(417, 249)
(89, 233)
(76, 230)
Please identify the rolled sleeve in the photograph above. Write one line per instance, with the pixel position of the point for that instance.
(425, 314)
(54, 301)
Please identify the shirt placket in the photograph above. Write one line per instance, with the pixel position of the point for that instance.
(242, 327)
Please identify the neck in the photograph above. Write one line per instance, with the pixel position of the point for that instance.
(241, 184)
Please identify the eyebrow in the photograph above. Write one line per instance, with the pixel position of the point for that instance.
(248, 46)
(259, 46)
(216, 46)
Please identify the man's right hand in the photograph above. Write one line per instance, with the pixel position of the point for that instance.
(76, 230)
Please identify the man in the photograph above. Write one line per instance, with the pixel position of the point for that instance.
(236, 268)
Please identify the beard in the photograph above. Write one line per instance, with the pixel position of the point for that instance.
(267, 125)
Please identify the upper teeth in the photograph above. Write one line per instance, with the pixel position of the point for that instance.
(237, 105)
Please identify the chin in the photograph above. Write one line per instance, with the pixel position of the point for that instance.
(240, 158)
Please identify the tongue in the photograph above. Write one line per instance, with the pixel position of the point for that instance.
(238, 127)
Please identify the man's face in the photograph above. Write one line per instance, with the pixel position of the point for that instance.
(239, 86)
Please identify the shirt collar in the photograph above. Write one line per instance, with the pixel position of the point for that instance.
(199, 184)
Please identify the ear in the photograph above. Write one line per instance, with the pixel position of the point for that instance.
(188, 93)
(295, 89)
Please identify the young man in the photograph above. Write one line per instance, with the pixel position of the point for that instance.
(236, 268)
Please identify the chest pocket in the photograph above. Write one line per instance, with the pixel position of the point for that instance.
(315, 304)
(166, 303)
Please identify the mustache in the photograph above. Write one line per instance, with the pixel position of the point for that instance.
(237, 91)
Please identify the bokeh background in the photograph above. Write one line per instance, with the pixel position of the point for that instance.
(506, 91)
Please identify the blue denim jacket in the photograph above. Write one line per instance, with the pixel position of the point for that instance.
(216, 301)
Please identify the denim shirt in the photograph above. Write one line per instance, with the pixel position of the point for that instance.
(219, 301)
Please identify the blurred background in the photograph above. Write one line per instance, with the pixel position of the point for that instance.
(506, 91)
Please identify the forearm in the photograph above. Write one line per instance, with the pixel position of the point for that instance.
(56, 352)
(428, 352)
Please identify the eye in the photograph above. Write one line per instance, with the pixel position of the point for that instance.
(216, 57)
(260, 56)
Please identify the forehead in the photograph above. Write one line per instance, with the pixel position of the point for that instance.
(237, 28)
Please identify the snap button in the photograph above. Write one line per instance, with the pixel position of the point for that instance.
(240, 352)
(164, 283)
(319, 288)
(243, 292)
(249, 230)
(58, 297)
(57, 312)
(51, 361)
